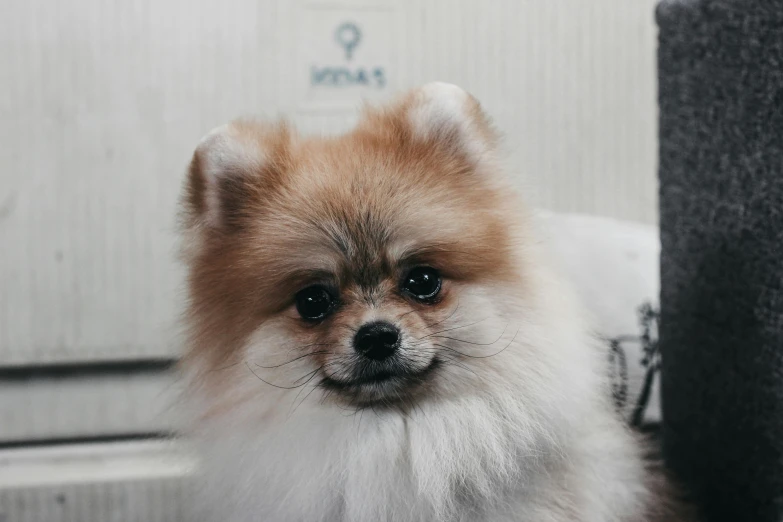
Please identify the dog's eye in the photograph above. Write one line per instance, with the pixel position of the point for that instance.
(422, 283)
(314, 303)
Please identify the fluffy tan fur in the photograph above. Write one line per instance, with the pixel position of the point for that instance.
(513, 422)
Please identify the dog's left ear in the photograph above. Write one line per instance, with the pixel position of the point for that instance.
(445, 115)
(437, 116)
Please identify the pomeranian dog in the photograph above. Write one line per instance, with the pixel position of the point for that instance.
(375, 335)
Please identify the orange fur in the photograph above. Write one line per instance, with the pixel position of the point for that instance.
(279, 232)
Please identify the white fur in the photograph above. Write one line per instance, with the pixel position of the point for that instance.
(438, 105)
(225, 150)
(527, 434)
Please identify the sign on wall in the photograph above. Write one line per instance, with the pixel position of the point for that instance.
(348, 35)
(345, 55)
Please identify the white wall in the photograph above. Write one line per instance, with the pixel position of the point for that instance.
(102, 102)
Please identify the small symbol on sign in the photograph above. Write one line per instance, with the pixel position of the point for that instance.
(348, 35)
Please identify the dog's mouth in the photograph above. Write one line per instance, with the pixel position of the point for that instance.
(386, 384)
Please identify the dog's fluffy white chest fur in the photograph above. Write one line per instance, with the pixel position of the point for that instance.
(472, 459)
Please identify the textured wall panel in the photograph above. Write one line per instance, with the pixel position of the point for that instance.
(70, 407)
(137, 482)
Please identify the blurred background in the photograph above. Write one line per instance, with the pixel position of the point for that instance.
(101, 106)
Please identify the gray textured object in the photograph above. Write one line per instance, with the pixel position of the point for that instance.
(721, 202)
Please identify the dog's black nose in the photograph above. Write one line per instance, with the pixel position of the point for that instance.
(377, 340)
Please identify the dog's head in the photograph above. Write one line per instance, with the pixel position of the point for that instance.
(376, 267)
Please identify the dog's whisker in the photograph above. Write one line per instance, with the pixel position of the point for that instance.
(319, 352)
(311, 374)
(451, 329)
(481, 356)
(447, 318)
(291, 413)
(453, 360)
(406, 313)
(471, 342)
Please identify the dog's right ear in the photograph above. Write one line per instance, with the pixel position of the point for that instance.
(229, 171)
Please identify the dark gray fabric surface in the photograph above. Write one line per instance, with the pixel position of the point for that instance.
(721, 203)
